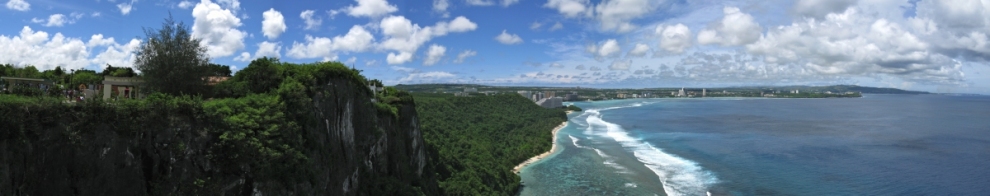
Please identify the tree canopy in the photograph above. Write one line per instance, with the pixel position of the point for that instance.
(172, 61)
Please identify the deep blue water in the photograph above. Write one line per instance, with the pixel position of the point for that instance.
(875, 145)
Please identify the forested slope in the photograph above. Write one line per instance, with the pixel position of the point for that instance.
(476, 141)
(280, 129)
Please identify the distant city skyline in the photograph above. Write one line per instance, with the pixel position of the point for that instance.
(926, 45)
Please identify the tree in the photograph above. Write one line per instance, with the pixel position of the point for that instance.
(172, 61)
(219, 70)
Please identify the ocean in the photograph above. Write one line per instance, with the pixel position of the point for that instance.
(874, 145)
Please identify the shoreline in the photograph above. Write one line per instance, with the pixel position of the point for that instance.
(536, 158)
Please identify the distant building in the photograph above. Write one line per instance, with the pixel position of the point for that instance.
(572, 97)
(525, 94)
(121, 87)
(10, 82)
(470, 90)
(704, 92)
(553, 102)
(681, 93)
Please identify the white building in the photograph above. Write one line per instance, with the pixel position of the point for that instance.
(681, 93)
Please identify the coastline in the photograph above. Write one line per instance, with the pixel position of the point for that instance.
(553, 149)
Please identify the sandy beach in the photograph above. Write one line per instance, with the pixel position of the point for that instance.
(545, 154)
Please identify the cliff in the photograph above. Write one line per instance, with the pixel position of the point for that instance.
(326, 139)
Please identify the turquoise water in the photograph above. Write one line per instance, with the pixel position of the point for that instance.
(876, 145)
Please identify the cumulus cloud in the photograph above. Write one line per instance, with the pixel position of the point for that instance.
(508, 39)
(404, 37)
(126, 7)
(46, 52)
(273, 25)
(735, 28)
(556, 65)
(357, 39)
(579, 67)
(819, 8)
(639, 50)
(434, 54)
(268, 49)
(609, 49)
(371, 8)
(570, 8)
(611, 15)
(852, 43)
(186, 4)
(617, 14)
(19, 5)
(674, 38)
(440, 6)
(620, 65)
(312, 22)
(217, 27)
(955, 28)
(464, 55)
(57, 20)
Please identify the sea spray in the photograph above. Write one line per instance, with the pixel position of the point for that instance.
(679, 176)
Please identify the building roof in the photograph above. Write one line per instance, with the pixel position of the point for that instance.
(130, 81)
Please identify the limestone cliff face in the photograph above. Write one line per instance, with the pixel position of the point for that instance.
(101, 149)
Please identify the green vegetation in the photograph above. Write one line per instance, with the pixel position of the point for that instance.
(172, 61)
(477, 141)
(573, 108)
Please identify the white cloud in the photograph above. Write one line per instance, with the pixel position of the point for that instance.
(479, 2)
(96, 14)
(639, 50)
(440, 6)
(557, 26)
(19, 5)
(273, 25)
(243, 57)
(217, 27)
(507, 3)
(674, 38)
(117, 55)
(351, 61)
(311, 21)
(56, 20)
(464, 55)
(617, 14)
(556, 65)
(426, 77)
(371, 8)
(400, 58)
(535, 25)
(268, 49)
(125, 8)
(610, 48)
(620, 65)
(357, 39)
(735, 28)
(508, 39)
(186, 4)
(855, 44)
(570, 8)
(955, 28)
(819, 8)
(46, 52)
(434, 54)
(403, 36)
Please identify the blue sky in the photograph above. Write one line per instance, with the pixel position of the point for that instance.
(937, 46)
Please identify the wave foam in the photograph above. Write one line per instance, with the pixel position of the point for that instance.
(679, 176)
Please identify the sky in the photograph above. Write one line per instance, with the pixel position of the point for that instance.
(936, 46)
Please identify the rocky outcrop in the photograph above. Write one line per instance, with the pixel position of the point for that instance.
(49, 148)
